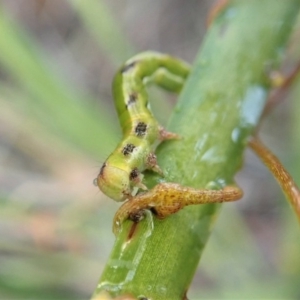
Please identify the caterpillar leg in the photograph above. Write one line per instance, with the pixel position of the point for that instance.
(282, 176)
(137, 180)
(151, 159)
(167, 135)
(168, 198)
(151, 164)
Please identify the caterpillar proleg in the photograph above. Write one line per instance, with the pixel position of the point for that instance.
(121, 173)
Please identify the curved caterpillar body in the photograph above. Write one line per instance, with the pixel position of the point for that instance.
(121, 173)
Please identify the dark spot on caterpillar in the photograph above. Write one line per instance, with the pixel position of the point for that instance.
(132, 99)
(102, 169)
(128, 149)
(134, 174)
(128, 67)
(141, 129)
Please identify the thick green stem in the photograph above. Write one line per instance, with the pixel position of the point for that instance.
(217, 111)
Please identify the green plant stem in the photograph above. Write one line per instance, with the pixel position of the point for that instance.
(216, 113)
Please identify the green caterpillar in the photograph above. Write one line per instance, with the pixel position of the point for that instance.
(121, 174)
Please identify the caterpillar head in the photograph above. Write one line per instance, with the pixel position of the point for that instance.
(114, 182)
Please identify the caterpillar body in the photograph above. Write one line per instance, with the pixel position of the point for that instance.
(121, 174)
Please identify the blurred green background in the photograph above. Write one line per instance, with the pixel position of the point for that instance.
(58, 124)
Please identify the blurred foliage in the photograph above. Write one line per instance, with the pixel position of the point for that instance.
(57, 124)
